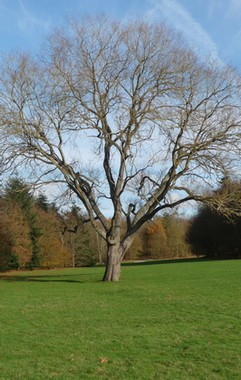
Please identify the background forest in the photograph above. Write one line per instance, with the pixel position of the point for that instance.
(35, 234)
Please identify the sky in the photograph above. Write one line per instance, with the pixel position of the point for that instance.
(211, 27)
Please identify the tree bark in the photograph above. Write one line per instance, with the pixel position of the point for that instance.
(113, 264)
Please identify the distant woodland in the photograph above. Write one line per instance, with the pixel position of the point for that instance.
(35, 234)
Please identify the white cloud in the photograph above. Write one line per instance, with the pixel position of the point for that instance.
(173, 13)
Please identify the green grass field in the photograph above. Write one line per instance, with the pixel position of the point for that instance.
(178, 320)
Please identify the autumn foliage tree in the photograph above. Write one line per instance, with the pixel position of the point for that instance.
(156, 240)
(53, 251)
(125, 117)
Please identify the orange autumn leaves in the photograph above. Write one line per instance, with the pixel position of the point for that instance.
(156, 240)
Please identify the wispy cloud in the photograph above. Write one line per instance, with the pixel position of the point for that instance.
(213, 7)
(234, 5)
(233, 10)
(173, 13)
(28, 21)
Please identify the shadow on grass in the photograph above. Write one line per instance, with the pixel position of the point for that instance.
(84, 278)
(171, 261)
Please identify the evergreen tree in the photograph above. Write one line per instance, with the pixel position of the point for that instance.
(18, 191)
(42, 202)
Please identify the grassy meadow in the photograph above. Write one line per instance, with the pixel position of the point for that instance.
(172, 320)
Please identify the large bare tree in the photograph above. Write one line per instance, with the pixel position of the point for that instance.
(126, 116)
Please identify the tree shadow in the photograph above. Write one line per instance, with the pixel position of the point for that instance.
(84, 278)
(195, 260)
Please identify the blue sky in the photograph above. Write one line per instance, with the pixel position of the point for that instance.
(212, 27)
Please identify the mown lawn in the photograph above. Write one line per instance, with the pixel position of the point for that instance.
(165, 321)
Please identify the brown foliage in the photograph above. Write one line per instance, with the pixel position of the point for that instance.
(53, 252)
(156, 240)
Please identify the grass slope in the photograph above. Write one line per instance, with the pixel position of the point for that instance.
(164, 321)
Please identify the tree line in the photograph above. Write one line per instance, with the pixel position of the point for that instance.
(35, 234)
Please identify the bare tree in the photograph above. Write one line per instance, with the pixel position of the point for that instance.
(124, 115)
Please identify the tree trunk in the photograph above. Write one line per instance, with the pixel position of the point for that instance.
(115, 254)
(113, 264)
(73, 251)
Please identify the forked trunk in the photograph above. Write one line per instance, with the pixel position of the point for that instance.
(113, 263)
